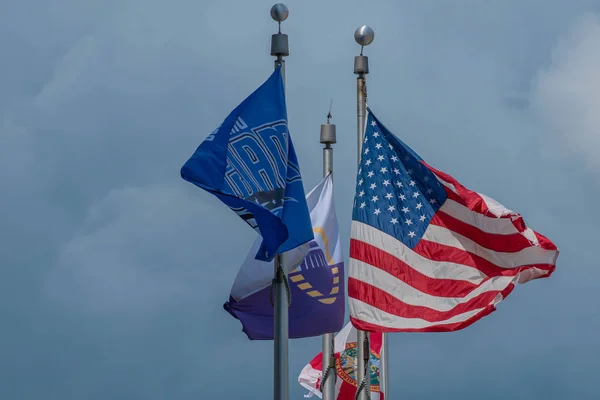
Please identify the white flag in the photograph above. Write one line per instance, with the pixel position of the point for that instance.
(255, 275)
(315, 277)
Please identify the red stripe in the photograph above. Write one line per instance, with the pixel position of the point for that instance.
(466, 197)
(317, 362)
(474, 202)
(496, 242)
(369, 327)
(375, 342)
(394, 266)
(439, 252)
(545, 243)
(453, 196)
(384, 301)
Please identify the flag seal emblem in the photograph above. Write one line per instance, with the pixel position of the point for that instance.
(345, 366)
(319, 255)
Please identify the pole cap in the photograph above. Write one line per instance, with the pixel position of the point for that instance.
(364, 35)
(279, 12)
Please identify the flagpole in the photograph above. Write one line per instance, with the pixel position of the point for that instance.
(383, 369)
(328, 137)
(363, 35)
(280, 49)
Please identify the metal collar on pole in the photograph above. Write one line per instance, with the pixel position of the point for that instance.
(364, 35)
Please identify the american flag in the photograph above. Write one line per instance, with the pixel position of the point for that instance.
(426, 253)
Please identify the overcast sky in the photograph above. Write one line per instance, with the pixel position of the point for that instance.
(113, 270)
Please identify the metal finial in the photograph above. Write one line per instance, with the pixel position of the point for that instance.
(279, 41)
(364, 36)
(329, 116)
(279, 12)
(328, 135)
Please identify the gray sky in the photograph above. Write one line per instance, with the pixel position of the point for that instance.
(113, 270)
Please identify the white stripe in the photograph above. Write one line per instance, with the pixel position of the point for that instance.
(495, 207)
(425, 266)
(528, 256)
(531, 273)
(492, 205)
(364, 312)
(530, 235)
(407, 294)
(498, 226)
(447, 184)
(308, 379)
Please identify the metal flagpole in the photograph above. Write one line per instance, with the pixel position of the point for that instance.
(280, 49)
(364, 35)
(383, 369)
(328, 137)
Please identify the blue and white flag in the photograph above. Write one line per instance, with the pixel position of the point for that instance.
(249, 163)
(316, 281)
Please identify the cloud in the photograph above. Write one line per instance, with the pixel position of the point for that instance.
(136, 252)
(566, 94)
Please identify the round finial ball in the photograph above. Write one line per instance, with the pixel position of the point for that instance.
(279, 12)
(364, 35)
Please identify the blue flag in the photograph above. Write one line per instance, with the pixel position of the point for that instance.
(316, 279)
(249, 163)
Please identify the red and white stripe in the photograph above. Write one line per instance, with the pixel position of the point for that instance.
(345, 386)
(469, 259)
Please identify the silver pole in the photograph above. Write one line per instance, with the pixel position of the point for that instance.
(364, 35)
(328, 137)
(280, 335)
(280, 49)
(383, 376)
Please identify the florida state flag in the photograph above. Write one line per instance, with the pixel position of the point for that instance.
(345, 365)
